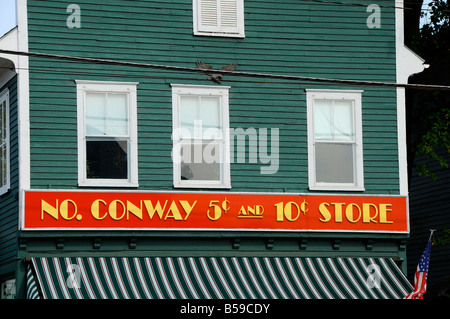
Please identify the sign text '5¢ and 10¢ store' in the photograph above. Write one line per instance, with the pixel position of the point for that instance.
(213, 211)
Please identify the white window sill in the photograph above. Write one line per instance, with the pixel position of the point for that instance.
(4, 189)
(107, 183)
(219, 34)
(202, 185)
(342, 188)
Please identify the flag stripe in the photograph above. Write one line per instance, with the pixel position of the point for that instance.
(420, 277)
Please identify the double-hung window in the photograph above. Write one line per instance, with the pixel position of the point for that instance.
(219, 17)
(4, 142)
(107, 133)
(200, 136)
(335, 149)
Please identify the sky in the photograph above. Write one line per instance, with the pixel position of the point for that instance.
(8, 15)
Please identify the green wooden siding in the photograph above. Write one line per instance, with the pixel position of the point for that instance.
(304, 38)
(9, 205)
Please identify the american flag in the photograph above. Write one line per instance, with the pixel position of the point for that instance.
(420, 279)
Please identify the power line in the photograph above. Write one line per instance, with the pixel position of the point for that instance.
(230, 73)
(351, 4)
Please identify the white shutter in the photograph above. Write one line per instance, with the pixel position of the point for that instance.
(220, 16)
(209, 15)
(229, 15)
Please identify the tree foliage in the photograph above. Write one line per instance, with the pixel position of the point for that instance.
(429, 111)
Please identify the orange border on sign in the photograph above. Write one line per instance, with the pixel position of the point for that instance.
(84, 210)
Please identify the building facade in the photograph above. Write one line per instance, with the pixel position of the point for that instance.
(205, 149)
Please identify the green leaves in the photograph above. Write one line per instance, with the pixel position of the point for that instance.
(437, 135)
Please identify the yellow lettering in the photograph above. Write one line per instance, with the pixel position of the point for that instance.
(151, 210)
(366, 212)
(242, 211)
(259, 210)
(216, 212)
(187, 207)
(256, 210)
(135, 210)
(383, 213)
(95, 209)
(288, 211)
(113, 209)
(175, 212)
(325, 212)
(367, 218)
(49, 209)
(338, 212)
(64, 209)
(349, 212)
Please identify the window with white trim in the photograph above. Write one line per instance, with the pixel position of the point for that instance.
(201, 143)
(4, 142)
(219, 17)
(335, 150)
(107, 133)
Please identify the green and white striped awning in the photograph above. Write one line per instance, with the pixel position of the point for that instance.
(218, 278)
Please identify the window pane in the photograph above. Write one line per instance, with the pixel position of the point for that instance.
(343, 120)
(3, 175)
(323, 119)
(96, 114)
(106, 114)
(210, 116)
(333, 120)
(200, 117)
(117, 116)
(188, 113)
(107, 159)
(334, 163)
(201, 161)
(3, 122)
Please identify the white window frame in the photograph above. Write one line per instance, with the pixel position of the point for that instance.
(4, 99)
(200, 90)
(356, 97)
(130, 88)
(219, 30)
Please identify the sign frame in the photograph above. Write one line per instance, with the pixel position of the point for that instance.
(62, 209)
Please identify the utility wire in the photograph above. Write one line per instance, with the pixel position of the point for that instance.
(351, 4)
(231, 73)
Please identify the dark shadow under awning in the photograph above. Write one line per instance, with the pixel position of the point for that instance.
(217, 278)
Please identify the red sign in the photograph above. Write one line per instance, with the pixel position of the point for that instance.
(213, 211)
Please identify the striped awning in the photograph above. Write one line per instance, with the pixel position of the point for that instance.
(218, 278)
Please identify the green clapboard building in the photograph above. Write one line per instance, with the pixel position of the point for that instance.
(204, 149)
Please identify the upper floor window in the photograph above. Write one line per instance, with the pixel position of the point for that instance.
(4, 142)
(201, 143)
(335, 150)
(219, 17)
(107, 133)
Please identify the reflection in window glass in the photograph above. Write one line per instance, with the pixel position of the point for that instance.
(201, 161)
(334, 163)
(107, 159)
(4, 141)
(333, 120)
(106, 114)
